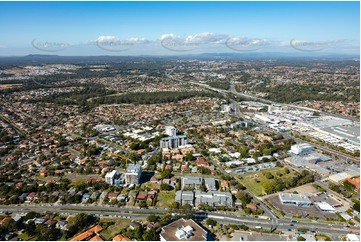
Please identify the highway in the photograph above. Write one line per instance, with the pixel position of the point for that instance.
(139, 213)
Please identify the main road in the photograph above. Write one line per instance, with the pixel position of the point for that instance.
(139, 213)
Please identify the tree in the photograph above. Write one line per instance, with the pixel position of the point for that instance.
(189, 157)
(269, 186)
(165, 187)
(151, 235)
(300, 238)
(244, 227)
(245, 198)
(174, 205)
(241, 187)
(165, 174)
(31, 215)
(268, 175)
(349, 186)
(30, 228)
(143, 204)
(137, 233)
(211, 222)
(279, 187)
(152, 218)
(9, 225)
(45, 233)
(356, 205)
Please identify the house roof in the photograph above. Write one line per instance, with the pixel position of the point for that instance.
(251, 206)
(120, 237)
(96, 238)
(224, 184)
(354, 181)
(5, 219)
(88, 233)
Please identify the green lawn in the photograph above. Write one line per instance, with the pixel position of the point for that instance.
(149, 186)
(165, 198)
(114, 229)
(322, 237)
(253, 181)
(24, 236)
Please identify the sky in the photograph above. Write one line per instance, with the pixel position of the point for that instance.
(168, 28)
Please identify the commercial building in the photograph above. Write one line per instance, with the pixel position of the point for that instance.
(325, 207)
(339, 177)
(294, 199)
(133, 174)
(183, 230)
(301, 149)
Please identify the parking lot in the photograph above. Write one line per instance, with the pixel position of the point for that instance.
(291, 210)
(253, 236)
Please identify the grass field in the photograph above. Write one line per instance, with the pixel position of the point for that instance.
(8, 86)
(253, 181)
(24, 236)
(114, 229)
(321, 237)
(165, 198)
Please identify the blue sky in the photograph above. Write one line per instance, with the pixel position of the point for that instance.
(136, 28)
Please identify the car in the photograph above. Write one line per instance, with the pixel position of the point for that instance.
(292, 225)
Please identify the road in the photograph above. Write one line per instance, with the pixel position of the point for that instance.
(232, 90)
(132, 213)
(17, 129)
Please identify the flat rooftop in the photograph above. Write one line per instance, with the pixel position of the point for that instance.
(351, 133)
(168, 232)
(294, 197)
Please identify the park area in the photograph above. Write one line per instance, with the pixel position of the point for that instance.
(274, 180)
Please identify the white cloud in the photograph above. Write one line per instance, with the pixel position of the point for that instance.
(245, 41)
(302, 45)
(112, 40)
(197, 39)
(206, 38)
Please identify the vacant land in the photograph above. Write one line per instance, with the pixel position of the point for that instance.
(109, 232)
(165, 199)
(8, 86)
(255, 181)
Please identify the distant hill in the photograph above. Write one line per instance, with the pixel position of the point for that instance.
(37, 59)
